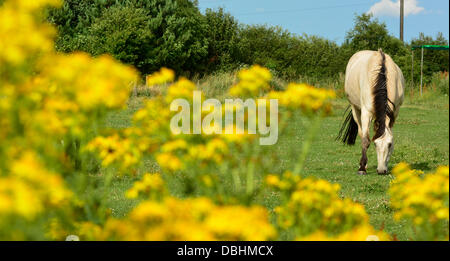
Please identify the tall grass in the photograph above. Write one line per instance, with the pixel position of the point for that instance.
(439, 82)
(216, 85)
(435, 88)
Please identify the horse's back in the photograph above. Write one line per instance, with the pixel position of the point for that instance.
(395, 82)
(360, 76)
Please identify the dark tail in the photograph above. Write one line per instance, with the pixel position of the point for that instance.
(381, 100)
(349, 129)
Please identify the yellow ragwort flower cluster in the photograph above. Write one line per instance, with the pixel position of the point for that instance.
(163, 76)
(151, 134)
(30, 189)
(113, 149)
(360, 233)
(176, 154)
(150, 186)
(93, 90)
(188, 219)
(304, 97)
(422, 199)
(48, 102)
(314, 209)
(252, 82)
(21, 35)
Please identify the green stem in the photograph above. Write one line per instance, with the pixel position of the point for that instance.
(253, 156)
(236, 179)
(250, 170)
(307, 144)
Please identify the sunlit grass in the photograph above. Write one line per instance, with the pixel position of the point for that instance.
(421, 139)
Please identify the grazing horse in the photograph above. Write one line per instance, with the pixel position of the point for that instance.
(374, 86)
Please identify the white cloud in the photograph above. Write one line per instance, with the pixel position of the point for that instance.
(390, 8)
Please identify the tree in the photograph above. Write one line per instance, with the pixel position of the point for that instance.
(290, 56)
(180, 33)
(123, 32)
(433, 60)
(267, 46)
(73, 20)
(369, 34)
(222, 34)
(146, 33)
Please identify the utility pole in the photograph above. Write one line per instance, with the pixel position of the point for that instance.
(421, 71)
(402, 5)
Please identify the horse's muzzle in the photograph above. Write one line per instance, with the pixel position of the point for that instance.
(382, 172)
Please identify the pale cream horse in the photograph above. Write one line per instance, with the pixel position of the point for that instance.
(374, 86)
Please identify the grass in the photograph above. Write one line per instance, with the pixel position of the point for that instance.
(421, 135)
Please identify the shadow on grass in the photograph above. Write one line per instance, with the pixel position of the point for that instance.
(424, 166)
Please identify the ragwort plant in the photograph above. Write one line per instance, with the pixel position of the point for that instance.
(421, 200)
(51, 107)
(48, 102)
(225, 168)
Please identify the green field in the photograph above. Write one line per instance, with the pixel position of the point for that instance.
(421, 139)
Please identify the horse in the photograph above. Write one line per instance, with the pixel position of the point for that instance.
(374, 86)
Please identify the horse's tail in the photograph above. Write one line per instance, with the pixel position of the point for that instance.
(349, 130)
(380, 100)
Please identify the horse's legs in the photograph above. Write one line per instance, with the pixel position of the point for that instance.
(365, 140)
(363, 122)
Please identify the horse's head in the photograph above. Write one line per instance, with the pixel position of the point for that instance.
(384, 146)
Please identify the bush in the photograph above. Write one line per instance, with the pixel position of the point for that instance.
(124, 33)
(433, 60)
(146, 34)
(179, 30)
(150, 34)
(288, 55)
(370, 34)
(73, 19)
(222, 35)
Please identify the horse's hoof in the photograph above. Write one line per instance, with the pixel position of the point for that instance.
(362, 172)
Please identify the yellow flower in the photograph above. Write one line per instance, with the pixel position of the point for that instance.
(150, 185)
(360, 233)
(207, 180)
(314, 207)
(421, 199)
(181, 89)
(114, 149)
(163, 76)
(305, 97)
(169, 161)
(240, 223)
(174, 145)
(30, 188)
(272, 180)
(149, 211)
(189, 219)
(252, 81)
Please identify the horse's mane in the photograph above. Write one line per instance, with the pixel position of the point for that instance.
(381, 100)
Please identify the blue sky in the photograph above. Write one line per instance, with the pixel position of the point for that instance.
(332, 19)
